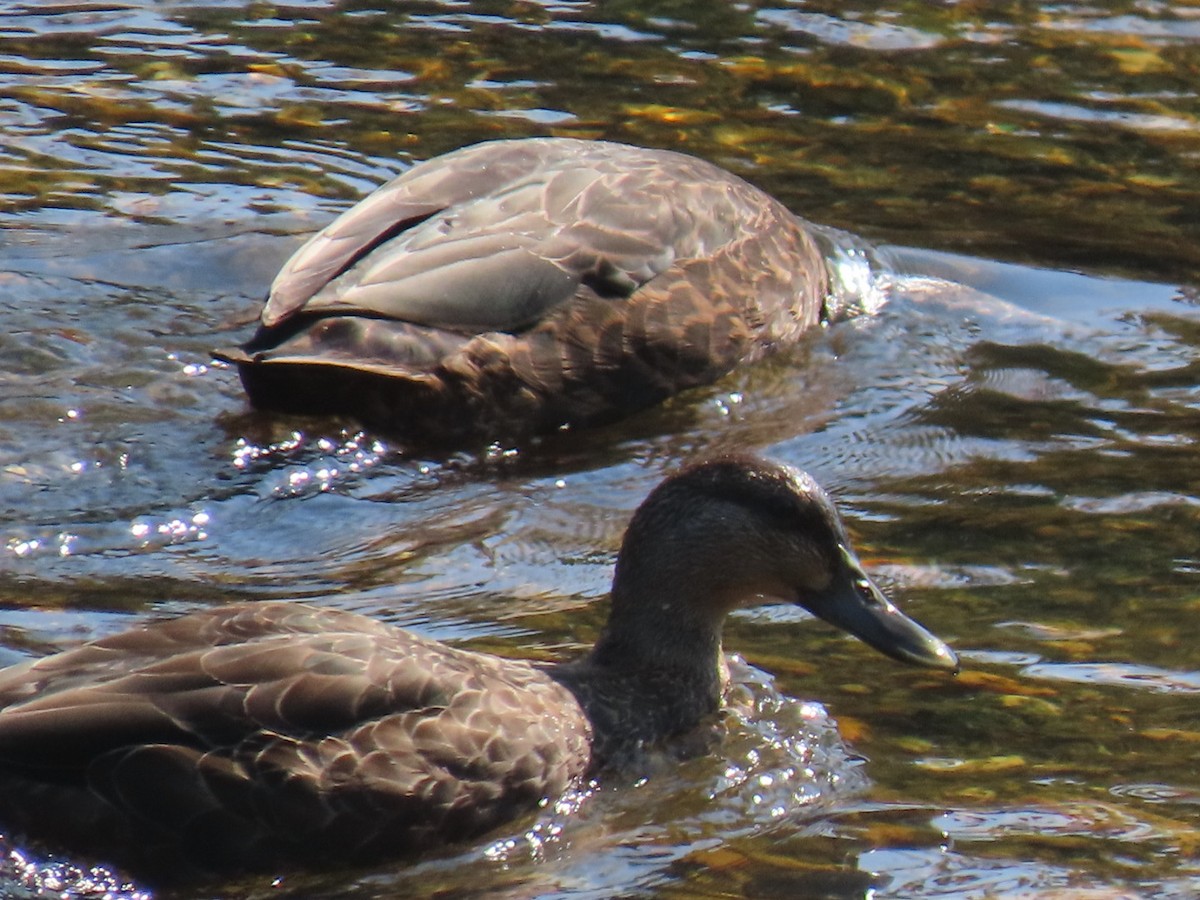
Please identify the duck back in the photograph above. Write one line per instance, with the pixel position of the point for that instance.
(522, 286)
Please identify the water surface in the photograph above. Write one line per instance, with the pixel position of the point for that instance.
(1012, 436)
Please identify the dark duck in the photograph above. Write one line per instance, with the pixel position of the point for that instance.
(262, 737)
(523, 286)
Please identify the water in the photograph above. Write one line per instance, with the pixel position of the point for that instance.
(1011, 435)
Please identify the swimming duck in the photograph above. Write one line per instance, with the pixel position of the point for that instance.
(273, 735)
(527, 285)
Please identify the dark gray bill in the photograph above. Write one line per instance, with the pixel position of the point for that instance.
(854, 604)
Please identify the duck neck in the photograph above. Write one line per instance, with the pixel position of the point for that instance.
(665, 638)
(649, 677)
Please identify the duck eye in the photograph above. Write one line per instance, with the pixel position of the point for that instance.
(859, 579)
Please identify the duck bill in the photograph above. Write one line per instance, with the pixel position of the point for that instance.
(854, 604)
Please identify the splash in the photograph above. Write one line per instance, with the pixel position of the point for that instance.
(860, 276)
(23, 875)
(777, 762)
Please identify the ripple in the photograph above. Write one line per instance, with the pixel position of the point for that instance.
(1136, 502)
(1118, 674)
(855, 33)
(947, 577)
(949, 873)
(1075, 112)
(1156, 793)
(1041, 631)
(1149, 25)
(1068, 819)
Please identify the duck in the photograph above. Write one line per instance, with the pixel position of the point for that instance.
(520, 287)
(271, 736)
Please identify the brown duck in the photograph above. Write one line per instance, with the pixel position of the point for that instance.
(521, 286)
(267, 736)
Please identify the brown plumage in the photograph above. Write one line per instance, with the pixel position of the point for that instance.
(266, 736)
(519, 286)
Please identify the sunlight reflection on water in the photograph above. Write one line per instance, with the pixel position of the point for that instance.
(1015, 460)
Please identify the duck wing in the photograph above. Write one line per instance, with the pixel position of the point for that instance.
(272, 733)
(494, 236)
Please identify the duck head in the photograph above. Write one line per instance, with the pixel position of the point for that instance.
(740, 531)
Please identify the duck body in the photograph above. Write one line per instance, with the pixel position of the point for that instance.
(257, 735)
(526, 285)
(262, 737)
